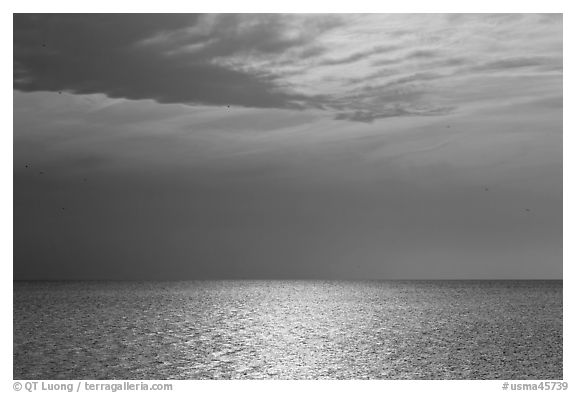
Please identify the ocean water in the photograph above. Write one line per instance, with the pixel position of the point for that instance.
(288, 330)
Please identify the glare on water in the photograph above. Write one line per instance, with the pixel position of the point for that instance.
(288, 330)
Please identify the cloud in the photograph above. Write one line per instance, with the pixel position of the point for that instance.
(224, 35)
(150, 57)
(397, 111)
(366, 116)
(354, 57)
(356, 67)
(423, 54)
(517, 62)
(397, 97)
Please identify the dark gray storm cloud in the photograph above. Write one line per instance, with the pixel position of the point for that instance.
(109, 54)
(229, 34)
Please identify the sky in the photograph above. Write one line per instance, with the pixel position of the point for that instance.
(337, 146)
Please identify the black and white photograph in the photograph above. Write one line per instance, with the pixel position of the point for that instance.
(287, 196)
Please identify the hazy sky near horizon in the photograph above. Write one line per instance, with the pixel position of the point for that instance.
(287, 146)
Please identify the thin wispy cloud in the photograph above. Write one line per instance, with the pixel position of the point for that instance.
(354, 57)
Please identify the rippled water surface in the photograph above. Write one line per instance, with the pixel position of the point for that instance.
(288, 330)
